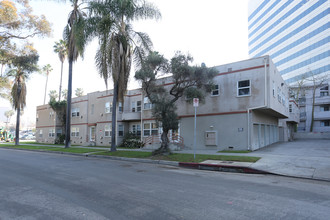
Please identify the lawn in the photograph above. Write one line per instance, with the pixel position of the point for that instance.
(58, 149)
(235, 151)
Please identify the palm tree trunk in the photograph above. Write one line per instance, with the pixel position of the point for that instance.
(68, 109)
(19, 89)
(114, 117)
(60, 90)
(17, 125)
(46, 89)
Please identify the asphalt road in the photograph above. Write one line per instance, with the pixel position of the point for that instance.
(37, 185)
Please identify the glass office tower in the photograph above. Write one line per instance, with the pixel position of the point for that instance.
(295, 33)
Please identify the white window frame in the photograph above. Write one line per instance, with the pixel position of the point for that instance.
(147, 104)
(324, 107)
(58, 132)
(120, 130)
(107, 107)
(243, 87)
(152, 130)
(74, 131)
(136, 106)
(40, 133)
(120, 107)
(324, 91)
(107, 130)
(216, 90)
(75, 112)
(51, 132)
(51, 114)
(136, 129)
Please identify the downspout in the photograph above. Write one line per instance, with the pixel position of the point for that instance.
(142, 107)
(263, 106)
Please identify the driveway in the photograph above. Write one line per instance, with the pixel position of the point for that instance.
(305, 158)
(301, 147)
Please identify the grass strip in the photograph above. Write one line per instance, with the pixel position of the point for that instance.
(58, 149)
(180, 157)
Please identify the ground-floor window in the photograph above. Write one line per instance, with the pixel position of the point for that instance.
(40, 133)
(120, 130)
(107, 130)
(58, 132)
(150, 129)
(51, 132)
(74, 132)
(136, 129)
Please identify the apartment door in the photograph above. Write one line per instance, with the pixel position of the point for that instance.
(92, 133)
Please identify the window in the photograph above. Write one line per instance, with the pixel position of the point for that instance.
(120, 130)
(283, 99)
(51, 132)
(274, 93)
(51, 114)
(325, 123)
(58, 132)
(150, 129)
(136, 106)
(108, 107)
(290, 107)
(279, 94)
(136, 129)
(74, 132)
(40, 133)
(324, 91)
(325, 108)
(75, 112)
(243, 88)
(215, 91)
(146, 103)
(37, 117)
(92, 109)
(107, 130)
(120, 107)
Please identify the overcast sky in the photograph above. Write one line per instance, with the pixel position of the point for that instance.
(212, 31)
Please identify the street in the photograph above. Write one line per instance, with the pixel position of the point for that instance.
(36, 185)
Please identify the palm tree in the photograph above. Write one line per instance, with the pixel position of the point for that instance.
(46, 70)
(74, 37)
(119, 43)
(22, 66)
(61, 49)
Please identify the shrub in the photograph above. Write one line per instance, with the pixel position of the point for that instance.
(131, 140)
(60, 139)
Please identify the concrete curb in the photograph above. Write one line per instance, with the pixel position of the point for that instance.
(223, 168)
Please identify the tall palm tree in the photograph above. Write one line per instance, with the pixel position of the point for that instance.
(61, 49)
(46, 70)
(22, 66)
(74, 36)
(119, 43)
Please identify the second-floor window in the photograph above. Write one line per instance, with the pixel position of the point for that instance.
(243, 88)
(136, 106)
(75, 112)
(324, 91)
(290, 107)
(215, 91)
(108, 107)
(120, 107)
(51, 114)
(146, 103)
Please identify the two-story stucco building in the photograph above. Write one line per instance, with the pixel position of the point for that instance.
(243, 112)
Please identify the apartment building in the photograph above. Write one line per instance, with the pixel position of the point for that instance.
(295, 34)
(243, 112)
(321, 109)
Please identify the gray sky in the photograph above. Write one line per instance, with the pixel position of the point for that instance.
(212, 31)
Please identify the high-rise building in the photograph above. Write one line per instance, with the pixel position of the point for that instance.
(295, 33)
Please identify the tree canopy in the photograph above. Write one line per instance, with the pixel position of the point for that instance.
(187, 80)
